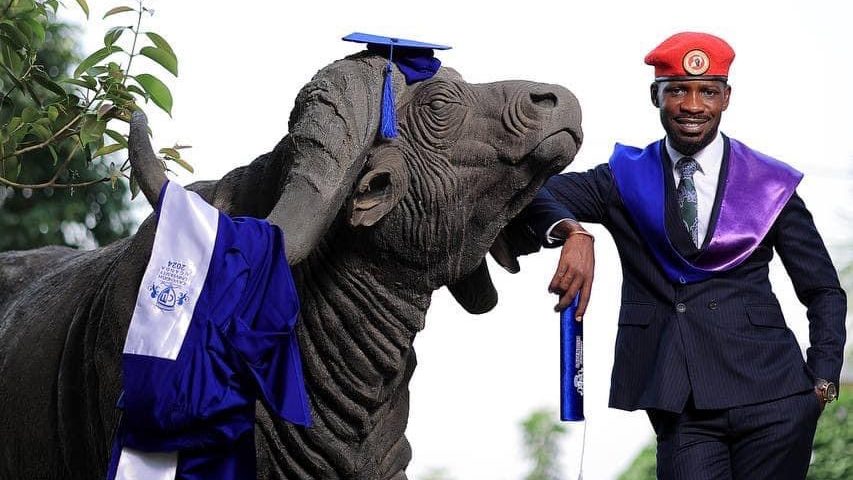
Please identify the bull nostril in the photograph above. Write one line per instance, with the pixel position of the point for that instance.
(544, 100)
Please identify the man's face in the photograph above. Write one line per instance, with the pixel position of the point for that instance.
(690, 111)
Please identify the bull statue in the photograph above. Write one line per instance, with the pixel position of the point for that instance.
(373, 228)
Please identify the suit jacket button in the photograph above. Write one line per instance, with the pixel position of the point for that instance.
(681, 308)
(712, 305)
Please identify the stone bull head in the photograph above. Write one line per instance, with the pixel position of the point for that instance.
(373, 227)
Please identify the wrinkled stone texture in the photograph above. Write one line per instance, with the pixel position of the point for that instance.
(387, 222)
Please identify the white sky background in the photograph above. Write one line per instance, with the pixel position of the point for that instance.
(242, 63)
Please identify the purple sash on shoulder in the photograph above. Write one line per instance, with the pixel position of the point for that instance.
(756, 189)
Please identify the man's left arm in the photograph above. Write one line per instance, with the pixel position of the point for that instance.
(815, 281)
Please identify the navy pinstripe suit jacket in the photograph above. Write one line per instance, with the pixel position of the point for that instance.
(723, 340)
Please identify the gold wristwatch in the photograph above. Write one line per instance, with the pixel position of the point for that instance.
(826, 389)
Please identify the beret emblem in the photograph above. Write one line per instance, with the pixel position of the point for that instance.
(696, 62)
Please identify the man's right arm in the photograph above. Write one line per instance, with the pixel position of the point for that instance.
(553, 217)
(574, 196)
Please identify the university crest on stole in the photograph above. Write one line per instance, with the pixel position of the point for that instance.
(169, 290)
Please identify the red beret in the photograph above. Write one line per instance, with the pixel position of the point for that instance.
(691, 55)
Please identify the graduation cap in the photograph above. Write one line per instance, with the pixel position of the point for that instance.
(414, 59)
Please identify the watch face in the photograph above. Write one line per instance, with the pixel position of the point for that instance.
(831, 393)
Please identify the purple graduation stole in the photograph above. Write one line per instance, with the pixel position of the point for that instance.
(756, 189)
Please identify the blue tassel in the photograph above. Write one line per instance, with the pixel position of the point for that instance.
(388, 118)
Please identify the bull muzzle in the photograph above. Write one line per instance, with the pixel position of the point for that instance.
(548, 117)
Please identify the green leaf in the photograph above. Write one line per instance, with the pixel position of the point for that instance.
(6, 101)
(160, 42)
(24, 6)
(41, 132)
(92, 130)
(183, 164)
(29, 114)
(42, 79)
(164, 57)
(99, 69)
(25, 28)
(88, 83)
(113, 35)
(134, 186)
(84, 6)
(108, 149)
(95, 145)
(53, 154)
(37, 28)
(21, 132)
(121, 96)
(158, 91)
(15, 79)
(138, 91)
(116, 10)
(14, 123)
(32, 94)
(15, 36)
(52, 113)
(117, 137)
(94, 58)
(170, 152)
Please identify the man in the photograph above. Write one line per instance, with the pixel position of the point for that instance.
(702, 345)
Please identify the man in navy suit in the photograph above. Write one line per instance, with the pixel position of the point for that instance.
(702, 345)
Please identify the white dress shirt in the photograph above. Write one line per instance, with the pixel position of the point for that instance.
(710, 159)
(706, 178)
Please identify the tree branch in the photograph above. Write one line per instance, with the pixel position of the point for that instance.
(131, 53)
(46, 142)
(52, 185)
(52, 182)
(64, 164)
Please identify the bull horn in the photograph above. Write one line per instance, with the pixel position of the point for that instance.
(147, 169)
(332, 125)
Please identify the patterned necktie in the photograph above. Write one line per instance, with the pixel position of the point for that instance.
(686, 194)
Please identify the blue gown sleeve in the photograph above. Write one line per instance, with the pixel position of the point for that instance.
(263, 334)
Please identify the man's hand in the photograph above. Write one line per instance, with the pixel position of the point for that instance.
(575, 270)
(819, 394)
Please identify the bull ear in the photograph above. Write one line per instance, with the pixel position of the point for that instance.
(381, 186)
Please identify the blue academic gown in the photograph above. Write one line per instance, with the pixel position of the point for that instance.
(189, 389)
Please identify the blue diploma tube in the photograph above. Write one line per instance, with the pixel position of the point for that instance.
(571, 365)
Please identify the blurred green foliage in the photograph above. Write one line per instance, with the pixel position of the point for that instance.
(644, 465)
(61, 180)
(542, 432)
(832, 457)
(86, 218)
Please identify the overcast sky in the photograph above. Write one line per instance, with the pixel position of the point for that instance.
(242, 63)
